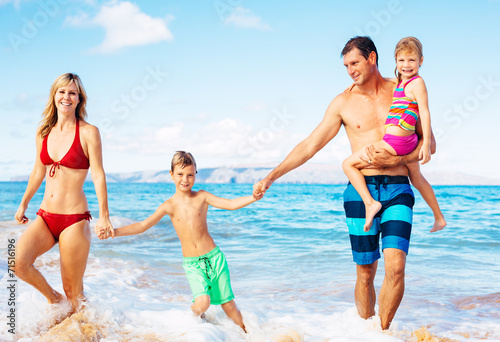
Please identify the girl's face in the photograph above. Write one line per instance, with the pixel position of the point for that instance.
(408, 64)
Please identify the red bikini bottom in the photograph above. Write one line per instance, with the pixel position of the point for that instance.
(59, 222)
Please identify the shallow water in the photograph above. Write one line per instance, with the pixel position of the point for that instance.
(291, 271)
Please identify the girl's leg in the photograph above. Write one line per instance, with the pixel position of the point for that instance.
(35, 241)
(351, 167)
(232, 312)
(422, 185)
(74, 246)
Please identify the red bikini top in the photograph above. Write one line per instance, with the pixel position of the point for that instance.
(75, 158)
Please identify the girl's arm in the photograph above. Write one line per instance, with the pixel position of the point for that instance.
(229, 204)
(141, 227)
(103, 225)
(36, 178)
(420, 95)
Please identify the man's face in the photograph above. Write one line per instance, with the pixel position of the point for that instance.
(359, 68)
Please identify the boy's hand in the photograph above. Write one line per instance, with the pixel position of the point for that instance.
(258, 196)
(260, 188)
(104, 228)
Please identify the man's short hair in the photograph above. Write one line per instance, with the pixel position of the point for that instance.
(364, 44)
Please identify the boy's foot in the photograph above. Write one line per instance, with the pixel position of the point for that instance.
(58, 298)
(371, 211)
(438, 225)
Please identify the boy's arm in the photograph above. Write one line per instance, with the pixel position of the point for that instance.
(228, 204)
(141, 227)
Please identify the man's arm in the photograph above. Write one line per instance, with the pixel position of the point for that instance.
(379, 158)
(305, 150)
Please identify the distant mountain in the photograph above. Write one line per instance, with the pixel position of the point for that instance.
(306, 174)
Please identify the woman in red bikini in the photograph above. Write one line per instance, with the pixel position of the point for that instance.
(67, 147)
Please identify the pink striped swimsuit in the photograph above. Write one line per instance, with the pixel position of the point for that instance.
(403, 113)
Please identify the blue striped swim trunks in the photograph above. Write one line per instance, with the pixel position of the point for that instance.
(393, 221)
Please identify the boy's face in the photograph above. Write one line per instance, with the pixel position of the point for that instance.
(183, 177)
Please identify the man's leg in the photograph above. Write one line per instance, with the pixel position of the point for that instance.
(393, 287)
(364, 292)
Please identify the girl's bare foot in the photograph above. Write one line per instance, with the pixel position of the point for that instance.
(371, 210)
(438, 225)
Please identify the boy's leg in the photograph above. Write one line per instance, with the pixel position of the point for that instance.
(232, 312)
(351, 167)
(201, 304)
(422, 185)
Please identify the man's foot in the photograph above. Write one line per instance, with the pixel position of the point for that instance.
(438, 225)
(371, 211)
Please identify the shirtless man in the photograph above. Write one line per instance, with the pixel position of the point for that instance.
(363, 109)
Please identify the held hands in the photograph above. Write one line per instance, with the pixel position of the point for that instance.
(20, 217)
(260, 188)
(104, 228)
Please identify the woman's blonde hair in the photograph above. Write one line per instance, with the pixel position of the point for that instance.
(407, 45)
(49, 115)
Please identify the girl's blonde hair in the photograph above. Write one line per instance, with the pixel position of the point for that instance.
(182, 159)
(49, 115)
(408, 45)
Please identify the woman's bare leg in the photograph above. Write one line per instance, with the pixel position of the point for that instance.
(35, 241)
(74, 246)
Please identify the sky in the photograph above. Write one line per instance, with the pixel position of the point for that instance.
(239, 82)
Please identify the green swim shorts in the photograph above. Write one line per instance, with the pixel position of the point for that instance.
(209, 275)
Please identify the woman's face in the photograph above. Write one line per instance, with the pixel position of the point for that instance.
(67, 98)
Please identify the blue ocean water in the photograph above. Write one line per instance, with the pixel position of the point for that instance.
(291, 269)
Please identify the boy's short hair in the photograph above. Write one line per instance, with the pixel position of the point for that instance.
(182, 159)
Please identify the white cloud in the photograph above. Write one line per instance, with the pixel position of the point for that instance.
(125, 25)
(244, 18)
(223, 143)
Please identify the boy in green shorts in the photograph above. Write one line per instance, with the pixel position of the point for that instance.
(205, 265)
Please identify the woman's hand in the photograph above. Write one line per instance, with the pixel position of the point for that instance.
(20, 217)
(104, 228)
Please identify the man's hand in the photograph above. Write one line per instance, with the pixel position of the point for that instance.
(260, 188)
(379, 158)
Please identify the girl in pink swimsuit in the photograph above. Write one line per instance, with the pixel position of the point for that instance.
(409, 104)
